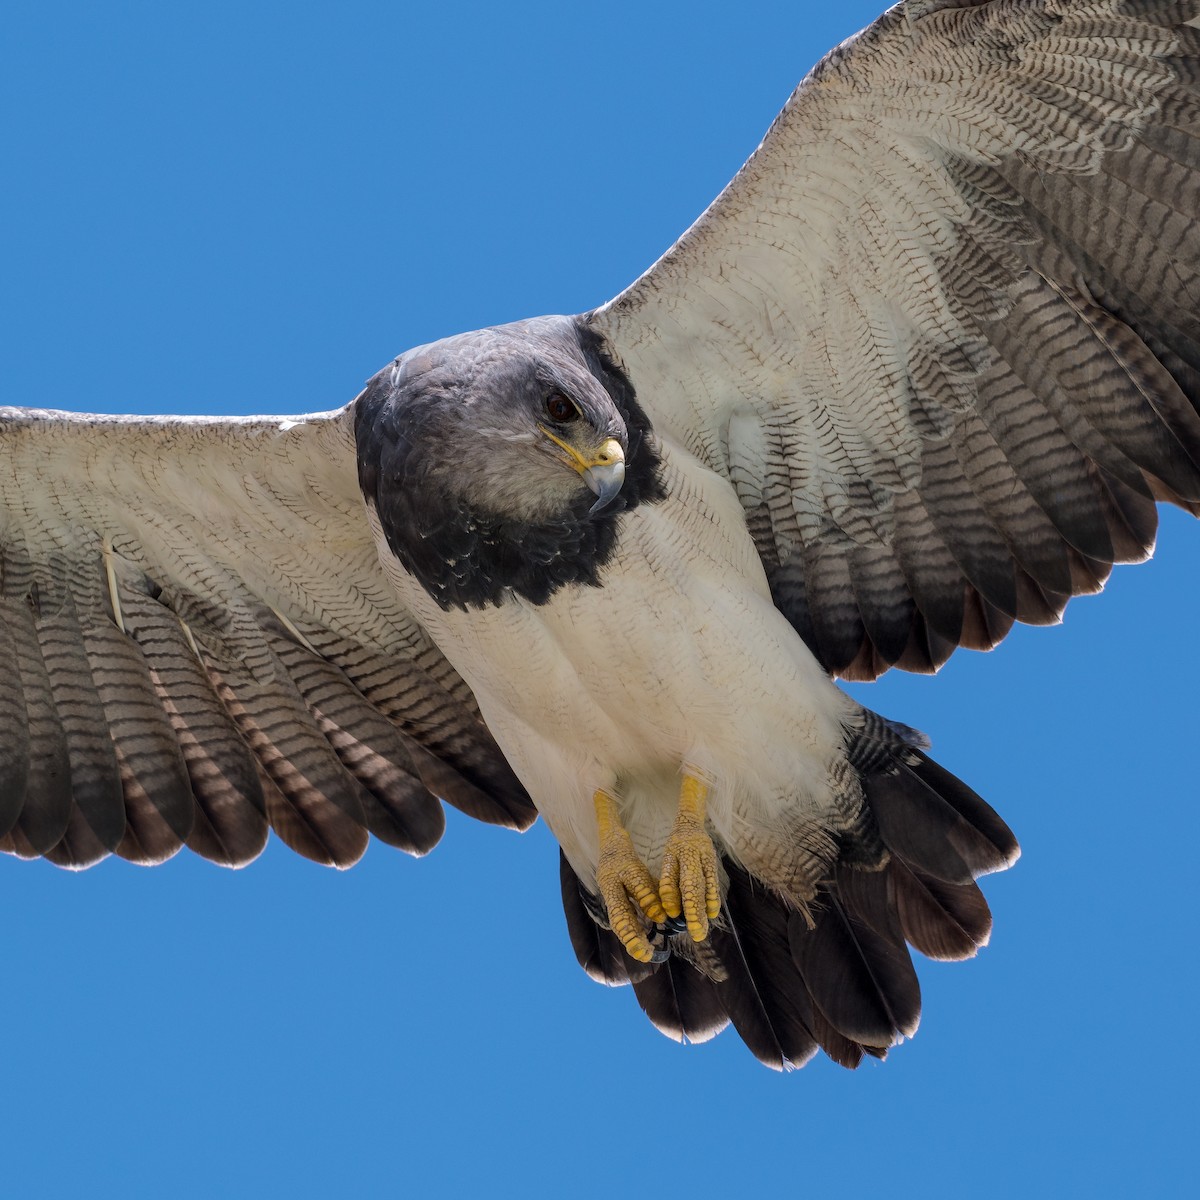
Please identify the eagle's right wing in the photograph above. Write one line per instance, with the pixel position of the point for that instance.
(197, 642)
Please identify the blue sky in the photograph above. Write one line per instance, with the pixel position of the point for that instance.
(246, 208)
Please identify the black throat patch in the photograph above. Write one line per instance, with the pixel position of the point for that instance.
(466, 557)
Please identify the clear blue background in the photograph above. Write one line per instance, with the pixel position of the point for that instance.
(238, 208)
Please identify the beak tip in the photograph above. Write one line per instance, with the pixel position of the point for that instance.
(605, 482)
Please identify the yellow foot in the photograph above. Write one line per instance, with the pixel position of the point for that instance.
(626, 886)
(690, 882)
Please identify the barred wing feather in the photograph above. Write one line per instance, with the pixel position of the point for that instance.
(197, 643)
(941, 332)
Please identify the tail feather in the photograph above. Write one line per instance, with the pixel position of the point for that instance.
(681, 1002)
(945, 921)
(976, 811)
(841, 1049)
(742, 998)
(861, 980)
(936, 823)
(838, 975)
(764, 995)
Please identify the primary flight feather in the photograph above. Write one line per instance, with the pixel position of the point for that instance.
(922, 370)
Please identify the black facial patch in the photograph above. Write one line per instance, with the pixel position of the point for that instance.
(464, 555)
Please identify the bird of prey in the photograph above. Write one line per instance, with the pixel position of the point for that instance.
(923, 370)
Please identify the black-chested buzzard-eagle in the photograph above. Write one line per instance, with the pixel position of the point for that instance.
(921, 371)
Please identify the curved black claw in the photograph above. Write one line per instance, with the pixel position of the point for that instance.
(660, 936)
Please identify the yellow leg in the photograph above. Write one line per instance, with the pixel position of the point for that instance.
(690, 882)
(625, 883)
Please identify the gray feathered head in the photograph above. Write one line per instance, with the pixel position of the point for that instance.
(499, 461)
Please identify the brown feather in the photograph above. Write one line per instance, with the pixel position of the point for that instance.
(945, 921)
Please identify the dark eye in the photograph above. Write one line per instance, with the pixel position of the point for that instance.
(559, 408)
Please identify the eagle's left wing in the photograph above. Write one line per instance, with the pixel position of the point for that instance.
(197, 642)
(942, 331)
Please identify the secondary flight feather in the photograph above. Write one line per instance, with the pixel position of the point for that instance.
(922, 370)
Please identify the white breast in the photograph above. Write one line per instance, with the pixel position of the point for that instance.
(679, 658)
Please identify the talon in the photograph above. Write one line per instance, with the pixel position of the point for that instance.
(625, 883)
(689, 886)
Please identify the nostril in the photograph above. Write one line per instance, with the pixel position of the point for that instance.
(609, 453)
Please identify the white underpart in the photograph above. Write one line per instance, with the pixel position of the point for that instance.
(679, 661)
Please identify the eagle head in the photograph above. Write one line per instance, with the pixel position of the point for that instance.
(498, 462)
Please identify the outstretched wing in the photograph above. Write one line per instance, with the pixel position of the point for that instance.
(197, 641)
(941, 332)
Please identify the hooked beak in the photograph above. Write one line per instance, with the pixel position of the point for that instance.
(602, 469)
(605, 480)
